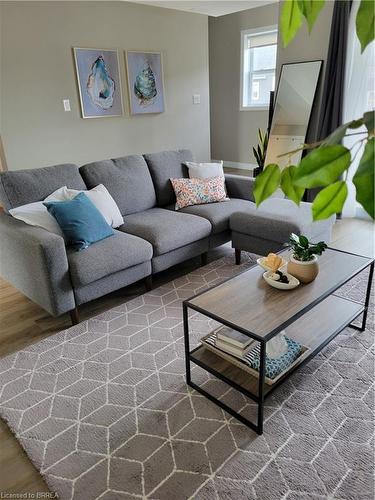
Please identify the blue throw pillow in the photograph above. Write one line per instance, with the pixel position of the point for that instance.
(80, 221)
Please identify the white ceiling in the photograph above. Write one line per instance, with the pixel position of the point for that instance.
(213, 8)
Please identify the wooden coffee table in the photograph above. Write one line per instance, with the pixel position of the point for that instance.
(311, 314)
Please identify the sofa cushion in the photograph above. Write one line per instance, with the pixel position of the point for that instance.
(166, 230)
(106, 257)
(163, 166)
(127, 179)
(277, 218)
(21, 187)
(218, 213)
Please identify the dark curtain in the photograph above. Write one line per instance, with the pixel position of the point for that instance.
(333, 90)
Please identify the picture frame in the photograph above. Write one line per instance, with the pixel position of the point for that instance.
(145, 80)
(99, 82)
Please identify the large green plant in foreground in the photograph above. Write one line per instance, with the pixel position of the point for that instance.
(327, 165)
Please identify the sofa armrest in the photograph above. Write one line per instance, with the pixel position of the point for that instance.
(240, 186)
(35, 262)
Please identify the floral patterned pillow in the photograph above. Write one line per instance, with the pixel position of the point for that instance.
(198, 191)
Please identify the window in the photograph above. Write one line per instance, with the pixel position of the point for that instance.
(255, 91)
(258, 64)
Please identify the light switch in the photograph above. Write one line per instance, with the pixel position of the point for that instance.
(196, 99)
(66, 104)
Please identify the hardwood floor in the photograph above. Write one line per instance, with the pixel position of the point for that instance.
(23, 323)
(354, 235)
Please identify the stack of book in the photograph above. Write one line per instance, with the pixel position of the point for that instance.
(244, 353)
(233, 342)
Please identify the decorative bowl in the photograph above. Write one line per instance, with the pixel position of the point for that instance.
(293, 282)
(261, 260)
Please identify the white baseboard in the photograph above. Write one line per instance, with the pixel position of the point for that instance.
(239, 165)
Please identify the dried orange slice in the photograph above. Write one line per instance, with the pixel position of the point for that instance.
(273, 261)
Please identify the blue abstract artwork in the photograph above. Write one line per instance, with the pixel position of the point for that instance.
(98, 82)
(145, 82)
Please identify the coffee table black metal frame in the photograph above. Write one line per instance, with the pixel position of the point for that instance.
(259, 399)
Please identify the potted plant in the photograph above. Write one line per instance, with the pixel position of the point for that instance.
(303, 262)
(260, 152)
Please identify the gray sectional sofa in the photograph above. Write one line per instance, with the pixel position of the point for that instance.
(153, 237)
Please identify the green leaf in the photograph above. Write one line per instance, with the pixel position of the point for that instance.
(365, 23)
(338, 134)
(322, 166)
(364, 179)
(257, 157)
(318, 248)
(369, 121)
(266, 183)
(294, 238)
(266, 142)
(330, 200)
(303, 241)
(260, 135)
(290, 20)
(310, 10)
(291, 191)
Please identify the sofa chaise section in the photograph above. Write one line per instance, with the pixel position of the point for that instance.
(267, 228)
(259, 230)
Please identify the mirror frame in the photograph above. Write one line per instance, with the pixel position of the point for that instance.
(313, 103)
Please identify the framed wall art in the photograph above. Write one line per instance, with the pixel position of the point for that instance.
(145, 82)
(99, 84)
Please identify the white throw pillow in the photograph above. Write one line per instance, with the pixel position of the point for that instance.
(99, 196)
(204, 170)
(36, 214)
(58, 195)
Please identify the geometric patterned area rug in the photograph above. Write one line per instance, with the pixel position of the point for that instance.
(103, 411)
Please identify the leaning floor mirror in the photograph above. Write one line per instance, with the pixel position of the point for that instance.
(292, 110)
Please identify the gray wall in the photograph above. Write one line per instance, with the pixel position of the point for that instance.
(309, 47)
(233, 132)
(38, 72)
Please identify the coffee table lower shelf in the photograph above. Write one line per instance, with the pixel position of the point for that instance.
(315, 329)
